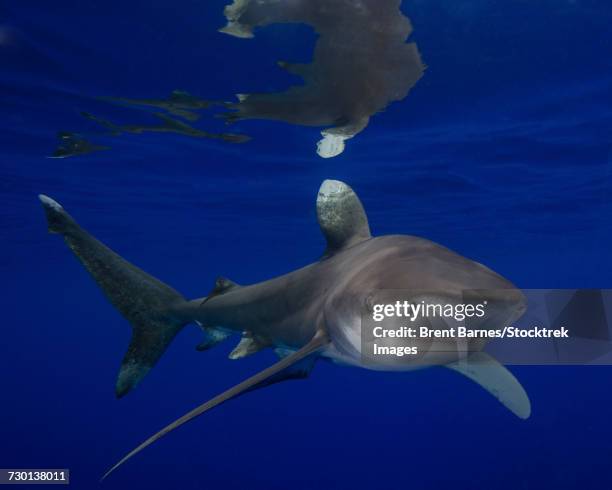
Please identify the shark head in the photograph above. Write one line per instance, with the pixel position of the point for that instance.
(384, 270)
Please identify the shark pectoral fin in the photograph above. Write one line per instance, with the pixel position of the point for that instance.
(319, 340)
(248, 345)
(483, 369)
(341, 216)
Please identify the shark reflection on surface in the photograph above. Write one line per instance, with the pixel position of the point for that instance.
(361, 63)
(179, 103)
(72, 144)
(168, 125)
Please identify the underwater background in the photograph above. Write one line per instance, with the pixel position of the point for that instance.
(502, 152)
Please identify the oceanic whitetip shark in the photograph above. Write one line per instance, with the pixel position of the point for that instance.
(308, 314)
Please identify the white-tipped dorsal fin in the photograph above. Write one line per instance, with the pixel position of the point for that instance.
(497, 380)
(248, 345)
(341, 216)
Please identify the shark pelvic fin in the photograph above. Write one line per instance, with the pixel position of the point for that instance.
(483, 369)
(341, 216)
(319, 340)
(249, 344)
(212, 336)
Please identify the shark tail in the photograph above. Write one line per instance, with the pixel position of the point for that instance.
(147, 303)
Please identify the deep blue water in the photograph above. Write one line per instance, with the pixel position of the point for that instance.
(502, 152)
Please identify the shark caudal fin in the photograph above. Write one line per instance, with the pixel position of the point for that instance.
(143, 300)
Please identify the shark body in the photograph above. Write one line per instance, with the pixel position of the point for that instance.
(308, 314)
